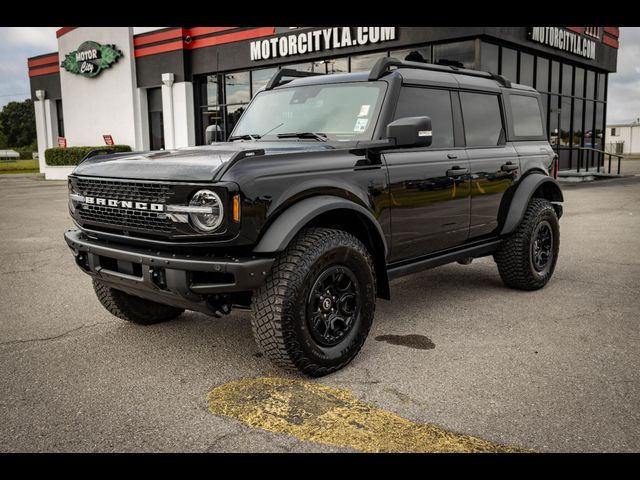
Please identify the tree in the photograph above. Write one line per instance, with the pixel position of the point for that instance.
(3, 141)
(18, 123)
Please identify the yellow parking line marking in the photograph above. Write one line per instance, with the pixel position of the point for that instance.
(332, 416)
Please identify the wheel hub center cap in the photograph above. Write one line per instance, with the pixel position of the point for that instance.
(327, 304)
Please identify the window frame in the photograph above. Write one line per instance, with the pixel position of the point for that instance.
(503, 118)
(511, 136)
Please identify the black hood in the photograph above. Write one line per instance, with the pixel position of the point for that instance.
(197, 164)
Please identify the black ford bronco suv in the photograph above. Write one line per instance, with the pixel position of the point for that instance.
(329, 187)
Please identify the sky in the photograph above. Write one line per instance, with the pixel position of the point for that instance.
(19, 43)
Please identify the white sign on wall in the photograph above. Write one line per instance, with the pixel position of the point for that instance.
(562, 39)
(319, 40)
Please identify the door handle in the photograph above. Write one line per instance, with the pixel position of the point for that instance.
(451, 156)
(508, 167)
(457, 171)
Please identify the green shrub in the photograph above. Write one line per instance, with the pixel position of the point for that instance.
(26, 153)
(73, 155)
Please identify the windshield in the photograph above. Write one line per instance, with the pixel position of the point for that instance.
(342, 112)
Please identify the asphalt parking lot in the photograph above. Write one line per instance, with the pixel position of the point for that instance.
(552, 370)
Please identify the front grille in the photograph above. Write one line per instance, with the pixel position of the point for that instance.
(137, 191)
(123, 218)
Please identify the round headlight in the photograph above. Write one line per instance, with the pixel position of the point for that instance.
(211, 216)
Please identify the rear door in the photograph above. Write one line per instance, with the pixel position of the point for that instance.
(429, 186)
(494, 163)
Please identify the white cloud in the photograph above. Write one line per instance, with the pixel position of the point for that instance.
(624, 85)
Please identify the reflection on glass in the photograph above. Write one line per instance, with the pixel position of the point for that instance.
(565, 120)
(259, 78)
(542, 74)
(555, 77)
(361, 63)
(588, 125)
(591, 84)
(578, 132)
(489, 57)
(526, 69)
(416, 54)
(554, 117)
(578, 82)
(599, 127)
(301, 67)
(336, 65)
(567, 79)
(459, 54)
(601, 86)
(237, 95)
(509, 64)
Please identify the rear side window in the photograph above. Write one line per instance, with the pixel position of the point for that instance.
(429, 102)
(527, 118)
(482, 119)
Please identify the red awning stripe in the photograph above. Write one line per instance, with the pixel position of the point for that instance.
(612, 42)
(615, 31)
(64, 30)
(44, 70)
(198, 31)
(162, 48)
(231, 37)
(49, 59)
(157, 37)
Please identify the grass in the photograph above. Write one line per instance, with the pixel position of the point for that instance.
(19, 166)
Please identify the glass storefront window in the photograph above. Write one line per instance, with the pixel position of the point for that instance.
(565, 120)
(554, 120)
(526, 69)
(555, 77)
(542, 74)
(237, 94)
(361, 63)
(301, 67)
(591, 85)
(601, 86)
(461, 54)
(336, 65)
(588, 125)
(599, 127)
(578, 82)
(212, 90)
(509, 66)
(578, 132)
(489, 57)
(412, 53)
(259, 78)
(567, 79)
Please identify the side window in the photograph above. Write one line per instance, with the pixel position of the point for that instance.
(527, 119)
(482, 119)
(420, 102)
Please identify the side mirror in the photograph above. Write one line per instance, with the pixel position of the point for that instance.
(410, 131)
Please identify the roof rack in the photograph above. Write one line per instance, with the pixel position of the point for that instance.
(383, 66)
(287, 72)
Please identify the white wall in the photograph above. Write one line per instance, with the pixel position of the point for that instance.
(107, 103)
(630, 135)
(46, 128)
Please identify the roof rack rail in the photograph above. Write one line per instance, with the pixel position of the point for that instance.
(383, 66)
(287, 72)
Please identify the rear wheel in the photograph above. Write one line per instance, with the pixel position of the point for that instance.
(133, 309)
(315, 309)
(527, 259)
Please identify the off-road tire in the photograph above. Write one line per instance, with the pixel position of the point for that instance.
(514, 257)
(133, 309)
(280, 323)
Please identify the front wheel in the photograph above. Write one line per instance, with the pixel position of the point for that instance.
(527, 258)
(316, 306)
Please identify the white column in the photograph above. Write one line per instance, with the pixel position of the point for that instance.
(142, 122)
(46, 125)
(167, 111)
(183, 116)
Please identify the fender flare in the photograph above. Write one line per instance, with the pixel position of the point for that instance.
(290, 222)
(523, 194)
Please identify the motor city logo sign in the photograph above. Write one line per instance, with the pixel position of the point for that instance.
(561, 39)
(90, 59)
(319, 40)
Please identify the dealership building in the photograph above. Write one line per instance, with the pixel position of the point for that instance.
(182, 86)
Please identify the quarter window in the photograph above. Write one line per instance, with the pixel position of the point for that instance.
(436, 104)
(527, 119)
(482, 119)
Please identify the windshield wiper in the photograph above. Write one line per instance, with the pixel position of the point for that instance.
(318, 136)
(252, 136)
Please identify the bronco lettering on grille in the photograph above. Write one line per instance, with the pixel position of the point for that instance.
(155, 207)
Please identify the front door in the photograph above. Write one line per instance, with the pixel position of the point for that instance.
(429, 187)
(494, 164)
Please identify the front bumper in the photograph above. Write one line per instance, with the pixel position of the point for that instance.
(184, 281)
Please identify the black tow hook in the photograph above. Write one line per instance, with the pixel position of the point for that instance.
(220, 305)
